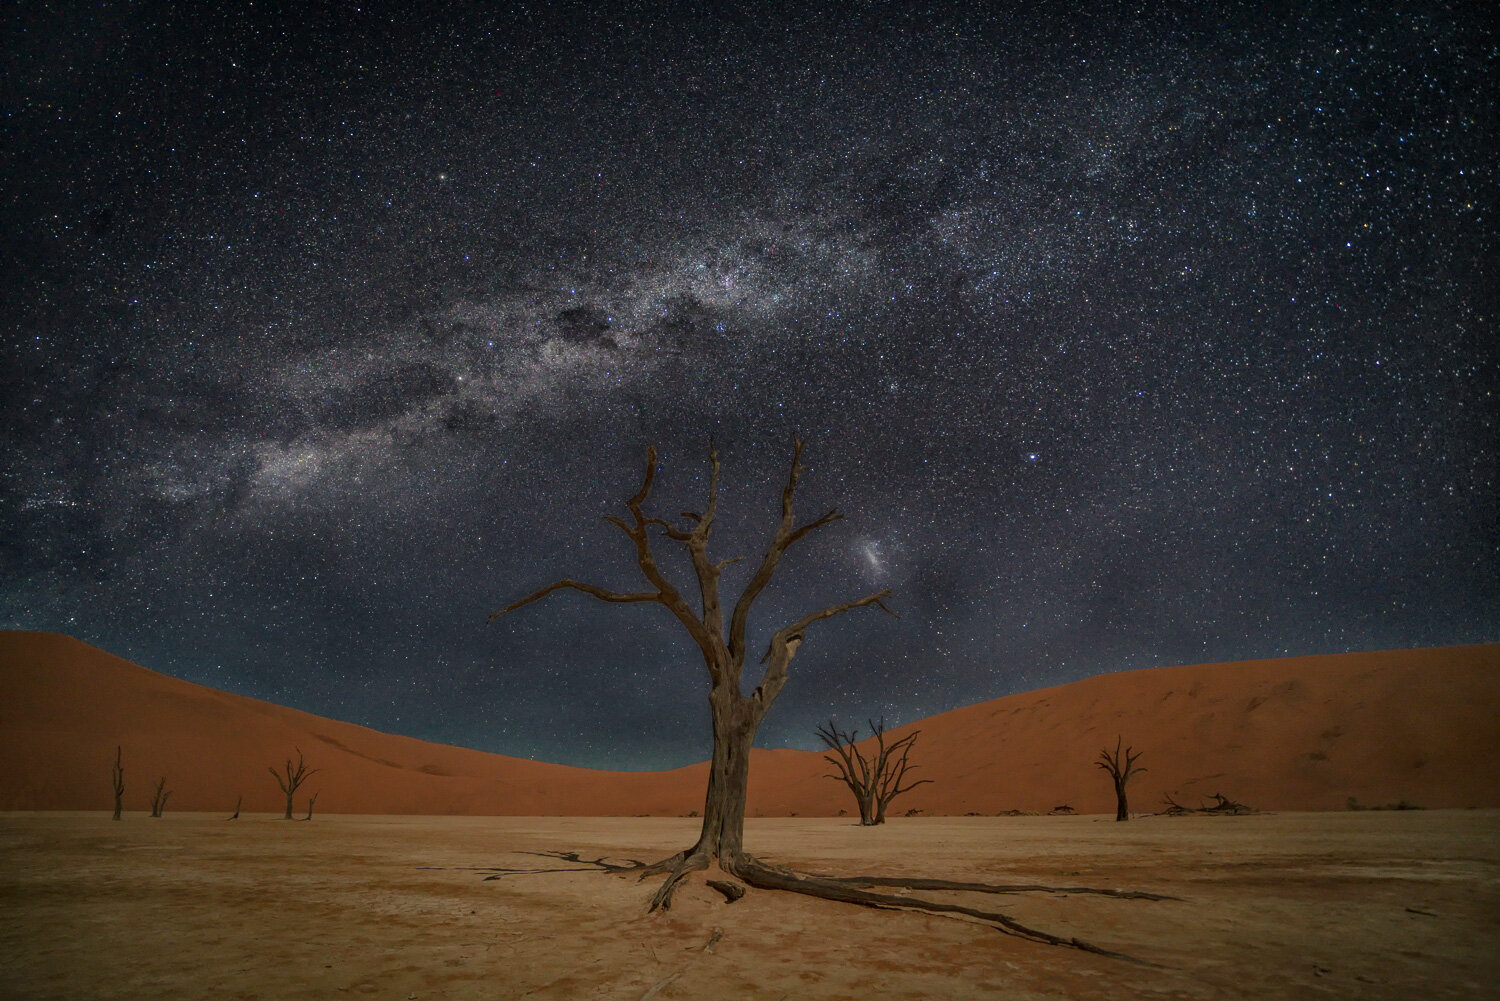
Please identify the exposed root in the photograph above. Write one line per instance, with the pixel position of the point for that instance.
(921, 883)
(675, 866)
(734, 891)
(849, 890)
(662, 899)
(668, 864)
(846, 889)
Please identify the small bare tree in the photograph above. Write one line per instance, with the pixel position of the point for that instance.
(238, 800)
(118, 775)
(294, 777)
(159, 797)
(1120, 772)
(875, 780)
(310, 801)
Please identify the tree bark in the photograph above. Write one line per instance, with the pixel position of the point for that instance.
(734, 726)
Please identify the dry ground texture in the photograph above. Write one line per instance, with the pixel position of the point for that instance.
(1298, 905)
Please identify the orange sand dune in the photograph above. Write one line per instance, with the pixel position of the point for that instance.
(1303, 733)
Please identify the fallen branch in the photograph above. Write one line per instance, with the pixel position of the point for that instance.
(731, 891)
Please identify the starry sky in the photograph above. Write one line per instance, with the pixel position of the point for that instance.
(1122, 337)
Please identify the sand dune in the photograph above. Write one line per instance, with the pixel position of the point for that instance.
(1305, 733)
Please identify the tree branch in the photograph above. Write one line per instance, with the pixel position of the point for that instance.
(784, 643)
(598, 592)
(767, 568)
(797, 628)
(665, 594)
(812, 526)
(706, 569)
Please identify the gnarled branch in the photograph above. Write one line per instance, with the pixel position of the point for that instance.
(784, 643)
(786, 533)
(637, 529)
(598, 592)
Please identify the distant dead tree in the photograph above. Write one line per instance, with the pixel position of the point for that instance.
(295, 776)
(1223, 807)
(1120, 772)
(118, 775)
(238, 800)
(310, 801)
(736, 716)
(875, 780)
(159, 797)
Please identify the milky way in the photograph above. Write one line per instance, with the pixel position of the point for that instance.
(1121, 340)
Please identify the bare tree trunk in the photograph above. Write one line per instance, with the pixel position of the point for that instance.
(723, 833)
(238, 800)
(1122, 808)
(118, 775)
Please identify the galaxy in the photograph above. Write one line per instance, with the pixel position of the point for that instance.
(1122, 337)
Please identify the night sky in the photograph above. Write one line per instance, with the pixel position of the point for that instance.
(1122, 338)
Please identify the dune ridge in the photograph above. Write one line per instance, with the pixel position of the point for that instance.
(1298, 733)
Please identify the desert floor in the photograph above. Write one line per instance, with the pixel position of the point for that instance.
(1367, 905)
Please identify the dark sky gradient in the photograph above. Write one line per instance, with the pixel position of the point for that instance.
(1124, 339)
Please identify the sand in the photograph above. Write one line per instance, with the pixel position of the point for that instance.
(1303, 733)
(1332, 905)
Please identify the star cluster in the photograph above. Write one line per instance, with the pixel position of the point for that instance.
(1123, 338)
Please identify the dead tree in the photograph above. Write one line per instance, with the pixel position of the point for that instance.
(310, 801)
(1223, 807)
(238, 800)
(875, 780)
(736, 716)
(294, 777)
(159, 797)
(1120, 773)
(118, 775)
